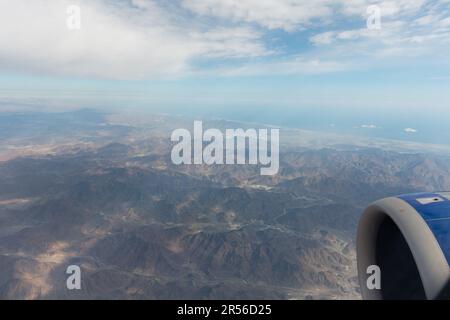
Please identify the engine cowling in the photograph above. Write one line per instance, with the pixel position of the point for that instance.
(406, 238)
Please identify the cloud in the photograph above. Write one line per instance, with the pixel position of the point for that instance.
(369, 126)
(236, 42)
(116, 41)
(294, 15)
(106, 46)
(290, 66)
(272, 14)
(417, 28)
(410, 130)
(147, 39)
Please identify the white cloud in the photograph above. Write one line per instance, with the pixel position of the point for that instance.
(445, 22)
(116, 41)
(106, 46)
(141, 39)
(417, 28)
(292, 15)
(271, 14)
(324, 38)
(295, 65)
(231, 42)
(369, 126)
(410, 130)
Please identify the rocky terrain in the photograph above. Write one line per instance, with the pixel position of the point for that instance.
(100, 191)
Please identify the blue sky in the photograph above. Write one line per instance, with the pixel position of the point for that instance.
(275, 54)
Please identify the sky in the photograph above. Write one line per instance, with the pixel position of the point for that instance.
(367, 65)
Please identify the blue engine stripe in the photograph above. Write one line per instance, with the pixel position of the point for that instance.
(436, 214)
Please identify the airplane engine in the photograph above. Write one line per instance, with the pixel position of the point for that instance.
(407, 240)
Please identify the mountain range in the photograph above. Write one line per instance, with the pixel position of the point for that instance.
(99, 191)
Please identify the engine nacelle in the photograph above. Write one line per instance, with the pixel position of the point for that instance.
(408, 238)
